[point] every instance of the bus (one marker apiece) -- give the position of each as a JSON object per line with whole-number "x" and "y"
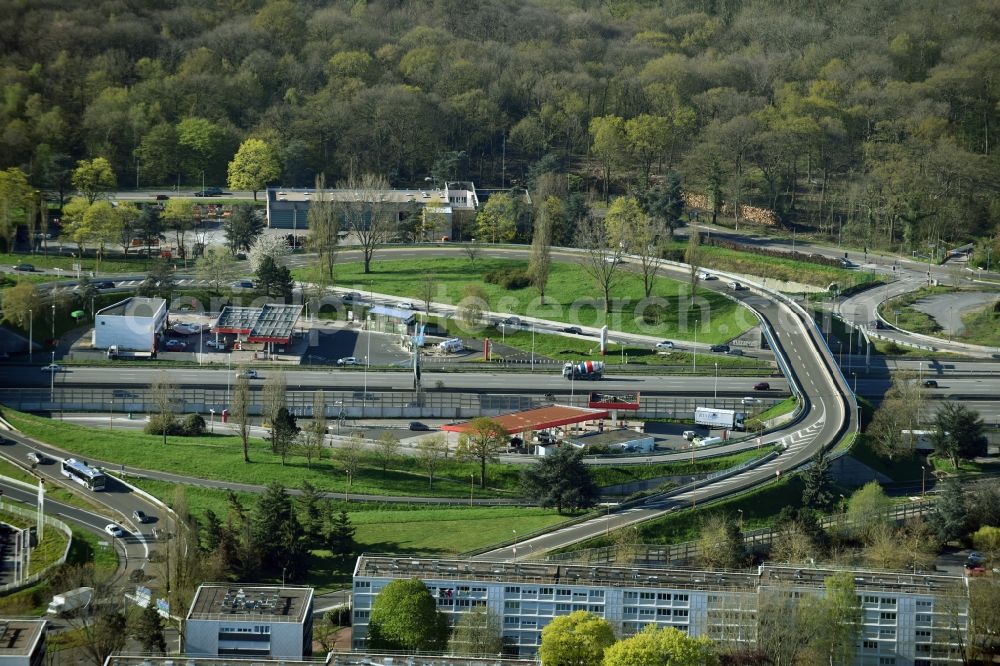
{"x": 83, "y": 474}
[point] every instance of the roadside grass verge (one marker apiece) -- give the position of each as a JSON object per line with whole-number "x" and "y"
{"x": 87, "y": 264}
{"x": 48, "y": 550}
{"x": 909, "y": 318}
{"x": 563, "y": 348}
{"x": 570, "y": 296}
{"x": 982, "y": 326}
{"x": 900, "y": 469}
{"x": 219, "y": 457}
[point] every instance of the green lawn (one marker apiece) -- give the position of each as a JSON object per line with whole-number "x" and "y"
{"x": 909, "y": 318}
{"x": 982, "y": 326}
{"x": 570, "y": 296}
{"x": 220, "y": 457}
{"x": 49, "y": 549}
{"x": 87, "y": 264}
{"x": 899, "y": 469}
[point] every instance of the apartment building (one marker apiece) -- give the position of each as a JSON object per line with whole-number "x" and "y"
{"x": 909, "y": 619}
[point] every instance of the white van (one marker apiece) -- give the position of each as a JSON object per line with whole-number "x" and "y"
{"x": 451, "y": 346}
{"x": 708, "y": 441}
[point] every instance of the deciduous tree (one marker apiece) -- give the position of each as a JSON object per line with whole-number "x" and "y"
{"x": 217, "y": 267}
{"x": 577, "y": 639}
{"x": 369, "y": 215}
{"x": 483, "y": 441}
{"x": 241, "y": 410}
{"x": 387, "y": 448}
{"x": 602, "y": 256}
{"x": 655, "y": 646}
{"x": 496, "y": 221}
{"x": 254, "y": 166}
{"x": 324, "y": 228}
{"x": 94, "y": 178}
{"x": 405, "y": 617}
{"x": 958, "y": 433}
{"x": 431, "y": 452}
{"x": 540, "y": 260}
{"x": 284, "y": 432}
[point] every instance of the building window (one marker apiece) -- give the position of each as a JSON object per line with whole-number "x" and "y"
{"x": 361, "y": 615}
{"x": 362, "y": 584}
{"x": 890, "y": 616}
{"x": 870, "y": 645}
{"x": 510, "y": 621}
{"x": 680, "y": 613}
{"x": 663, "y": 596}
{"x": 512, "y": 589}
{"x": 680, "y": 597}
{"x": 923, "y": 617}
{"x": 545, "y": 590}
{"x": 871, "y": 600}
{"x": 511, "y": 605}
{"x": 649, "y": 596}
{"x": 631, "y": 595}
{"x": 598, "y": 594}
{"x": 887, "y": 661}
{"x": 887, "y": 601}
{"x": 922, "y": 634}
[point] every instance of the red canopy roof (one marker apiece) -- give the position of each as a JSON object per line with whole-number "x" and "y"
{"x": 538, "y": 419}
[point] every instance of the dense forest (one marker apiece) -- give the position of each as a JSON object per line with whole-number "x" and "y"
{"x": 868, "y": 118}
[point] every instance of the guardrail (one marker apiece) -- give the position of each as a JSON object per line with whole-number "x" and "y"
{"x": 31, "y": 517}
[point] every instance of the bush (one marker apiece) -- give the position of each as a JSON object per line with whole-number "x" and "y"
{"x": 157, "y": 424}
{"x": 508, "y": 278}
{"x": 194, "y": 425}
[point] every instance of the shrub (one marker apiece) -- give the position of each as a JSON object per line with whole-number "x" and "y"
{"x": 157, "y": 424}
{"x": 508, "y": 278}
{"x": 194, "y": 425}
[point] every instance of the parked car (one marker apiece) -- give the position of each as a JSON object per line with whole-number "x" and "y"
{"x": 348, "y": 360}
{"x": 511, "y": 321}
{"x": 689, "y": 435}
{"x": 174, "y": 343}
{"x": 114, "y": 530}
{"x": 761, "y": 386}
{"x": 417, "y": 426}
{"x": 666, "y": 344}
{"x": 575, "y": 330}
{"x": 720, "y": 349}
{"x": 243, "y": 284}
{"x": 107, "y": 284}
{"x": 930, "y": 383}
{"x": 249, "y": 373}
{"x": 25, "y": 268}
{"x": 749, "y": 400}
{"x": 52, "y": 367}
{"x": 214, "y": 344}
{"x": 139, "y": 516}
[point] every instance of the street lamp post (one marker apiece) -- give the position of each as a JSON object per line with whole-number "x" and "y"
{"x": 111, "y": 415}
{"x": 212, "y": 426}
{"x": 514, "y": 551}
{"x": 923, "y": 480}
{"x": 716, "y": 397}
{"x": 53, "y": 323}
{"x": 694, "y": 350}
{"x": 52, "y": 379}
{"x": 31, "y": 335}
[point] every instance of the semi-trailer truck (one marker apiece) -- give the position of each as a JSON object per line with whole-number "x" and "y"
{"x": 719, "y": 418}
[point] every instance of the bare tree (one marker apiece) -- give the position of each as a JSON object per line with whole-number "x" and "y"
{"x": 241, "y": 411}
{"x": 432, "y": 451}
{"x": 314, "y": 435}
{"x": 162, "y": 390}
{"x": 387, "y": 447}
{"x": 101, "y": 627}
{"x": 349, "y": 455}
{"x": 324, "y": 228}
{"x": 368, "y": 213}
{"x": 602, "y": 259}
{"x": 540, "y": 260}
{"x": 275, "y": 395}
{"x": 472, "y": 251}
{"x": 692, "y": 256}
{"x": 427, "y": 288}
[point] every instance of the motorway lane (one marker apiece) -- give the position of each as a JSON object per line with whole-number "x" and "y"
{"x": 354, "y": 379}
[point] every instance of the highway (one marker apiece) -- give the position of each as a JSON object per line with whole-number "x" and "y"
{"x": 542, "y": 381}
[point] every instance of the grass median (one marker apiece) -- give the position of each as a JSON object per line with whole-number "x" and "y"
{"x": 570, "y": 296}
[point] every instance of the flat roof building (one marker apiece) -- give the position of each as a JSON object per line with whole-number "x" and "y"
{"x": 22, "y": 642}
{"x": 250, "y": 621}
{"x": 270, "y": 323}
{"x": 133, "y": 324}
{"x": 908, "y": 619}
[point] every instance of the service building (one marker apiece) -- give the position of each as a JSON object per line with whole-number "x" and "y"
{"x": 246, "y": 621}
{"x": 130, "y": 325}
{"x": 22, "y": 642}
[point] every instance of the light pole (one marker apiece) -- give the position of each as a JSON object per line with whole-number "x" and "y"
{"x": 53, "y": 324}
{"x": 855, "y": 382}
{"x": 923, "y": 480}
{"x": 31, "y": 335}
{"x": 741, "y": 518}
{"x": 111, "y": 415}
{"x": 229, "y": 374}
{"x": 472, "y": 485}
{"x": 515, "y": 546}
{"x": 52, "y": 378}
{"x": 212, "y": 426}
{"x": 716, "y": 381}
{"x": 532, "y": 347}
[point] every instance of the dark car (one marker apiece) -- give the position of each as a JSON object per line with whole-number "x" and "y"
{"x": 575, "y": 330}
{"x": 761, "y": 386}
{"x": 162, "y": 197}
{"x": 930, "y": 383}
{"x": 418, "y": 426}
{"x": 104, "y": 285}
{"x": 724, "y": 349}
{"x": 209, "y": 192}
{"x": 26, "y": 268}
{"x": 139, "y": 516}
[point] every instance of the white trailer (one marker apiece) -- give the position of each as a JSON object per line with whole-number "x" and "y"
{"x": 719, "y": 418}
{"x": 67, "y": 602}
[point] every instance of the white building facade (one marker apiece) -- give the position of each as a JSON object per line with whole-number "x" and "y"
{"x": 909, "y": 620}
{"x": 130, "y": 325}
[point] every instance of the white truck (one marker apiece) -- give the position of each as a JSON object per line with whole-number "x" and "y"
{"x": 583, "y": 370}
{"x": 451, "y": 345}
{"x": 67, "y": 602}
{"x": 719, "y": 418}
{"x": 114, "y": 351}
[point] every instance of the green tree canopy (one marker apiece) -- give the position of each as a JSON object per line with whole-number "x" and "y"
{"x": 577, "y": 639}
{"x": 483, "y": 441}
{"x": 405, "y": 617}
{"x": 656, "y": 646}
{"x": 254, "y": 166}
{"x": 94, "y": 178}
{"x": 958, "y": 433}
{"x": 560, "y": 480}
